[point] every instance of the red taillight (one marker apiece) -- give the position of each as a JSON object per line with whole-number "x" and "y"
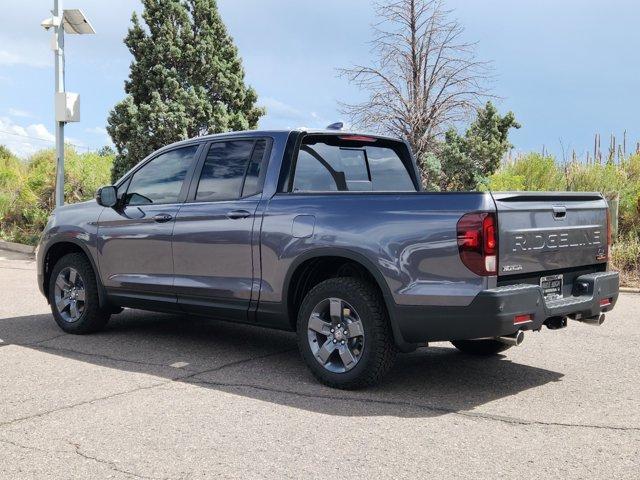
{"x": 520, "y": 319}
{"x": 605, "y": 302}
{"x": 478, "y": 242}
{"x": 489, "y": 233}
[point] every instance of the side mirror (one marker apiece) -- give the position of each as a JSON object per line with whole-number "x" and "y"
{"x": 107, "y": 196}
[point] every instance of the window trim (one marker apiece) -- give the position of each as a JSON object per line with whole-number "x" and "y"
{"x": 185, "y": 183}
{"x": 264, "y": 162}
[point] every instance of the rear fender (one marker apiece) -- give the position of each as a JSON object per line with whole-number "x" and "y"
{"x": 370, "y": 268}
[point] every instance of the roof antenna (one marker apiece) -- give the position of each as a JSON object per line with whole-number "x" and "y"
{"x": 336, "y": 126}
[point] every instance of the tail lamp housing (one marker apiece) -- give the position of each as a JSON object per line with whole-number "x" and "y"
{"x": 478, "y": 242}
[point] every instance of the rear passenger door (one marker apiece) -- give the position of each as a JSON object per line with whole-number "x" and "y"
{"x": 212, "y": 238}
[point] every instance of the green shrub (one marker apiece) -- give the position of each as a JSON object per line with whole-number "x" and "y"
{"x": 625, "y": 254}
{"x": 27, "y": 189}
{"x": 625, "y": 257}
{"x": 531, "y": 172}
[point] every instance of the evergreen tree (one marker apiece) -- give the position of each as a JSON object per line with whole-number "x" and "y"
{"x": 186, "y": 79}
{"x": 469, "y": 160}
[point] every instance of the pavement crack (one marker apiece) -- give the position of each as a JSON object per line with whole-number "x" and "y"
{"x": 24, "y": 447}
{"x": 147, "y": 387}
{"x": 80, "y": 404}
{"x": 149, "y": 364}
{"x": 112, "y": 465}
{"x": 40, "y": 342}
{"x": 96, "y": 355}
{"x": 235, "y": 363}
{"x": 418, "y": 406}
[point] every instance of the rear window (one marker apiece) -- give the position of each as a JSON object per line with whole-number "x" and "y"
{"x": 345, "y": 163}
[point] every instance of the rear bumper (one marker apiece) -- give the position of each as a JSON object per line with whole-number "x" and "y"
{"x": 492, "y": 312}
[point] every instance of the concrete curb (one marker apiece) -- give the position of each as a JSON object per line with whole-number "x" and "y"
{"x": 629, "y": 290}
{"x": 17, "y": 247}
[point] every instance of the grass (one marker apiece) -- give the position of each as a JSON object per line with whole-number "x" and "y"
{"x": 27, "y": 189}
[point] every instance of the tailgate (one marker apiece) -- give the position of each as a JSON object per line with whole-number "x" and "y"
{"x": 543, "y": 231}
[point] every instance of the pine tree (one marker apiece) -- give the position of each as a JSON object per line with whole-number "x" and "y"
{"x": 469, "y": 160}
{"x": 186, "y": 79}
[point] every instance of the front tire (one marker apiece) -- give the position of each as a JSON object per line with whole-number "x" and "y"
{"x": 483, "y": 348}
{"x": 344, "y": 335}
{"x": 73, "y": 296}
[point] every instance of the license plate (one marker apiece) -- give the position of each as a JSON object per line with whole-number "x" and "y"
{"x": 551, "y": 286}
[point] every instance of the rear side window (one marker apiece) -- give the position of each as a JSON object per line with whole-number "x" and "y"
{"x": 231, "y": 170}
{"x": 251, "y": 182}
{"x": 161, "y": 179}
{"x": 331, "y": 163}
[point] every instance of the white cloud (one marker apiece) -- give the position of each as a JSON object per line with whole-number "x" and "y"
{"x": 38, "y": 130}
{"x": 24, "y": 141}
{"x": 16, "y": 112}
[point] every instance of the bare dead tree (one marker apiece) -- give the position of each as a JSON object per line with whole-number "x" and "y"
{"x": 425, "y": 78}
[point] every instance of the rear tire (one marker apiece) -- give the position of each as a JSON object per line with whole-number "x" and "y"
{"x": 344, "y": 335}
{"x": 483, "y": 348}
{"x": 73, "y": 296}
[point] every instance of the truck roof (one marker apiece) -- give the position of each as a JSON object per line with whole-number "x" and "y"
{"x": 272, "y": 132}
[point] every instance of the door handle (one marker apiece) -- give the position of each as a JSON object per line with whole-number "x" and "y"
{"x": 559, "y": 212}
{"x": 162, "y": 218}
{"x": 238, "y": 214}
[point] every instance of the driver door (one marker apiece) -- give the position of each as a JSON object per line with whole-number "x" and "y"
{"x": 134, "y": 239}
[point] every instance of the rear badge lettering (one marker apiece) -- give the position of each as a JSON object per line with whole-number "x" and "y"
{"x": 511, "y": 268}
{"x": 525, "y": 242}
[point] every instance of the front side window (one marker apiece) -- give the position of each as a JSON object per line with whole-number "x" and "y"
{"x": 231, "y": 170}
{"x": 160, "y": 180}
{"x": 346, "y": 163}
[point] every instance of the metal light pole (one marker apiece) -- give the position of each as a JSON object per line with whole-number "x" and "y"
{"x": 59, "y": 74}
{"x": 67, "y": 105}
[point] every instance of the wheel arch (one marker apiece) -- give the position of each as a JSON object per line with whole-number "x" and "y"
{"x": 58, "y": 249}
{"x": 314, "y": 261}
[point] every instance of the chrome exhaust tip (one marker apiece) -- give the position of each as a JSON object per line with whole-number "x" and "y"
{"x": 596, "y": 320}
{"x": 514, "y": 340}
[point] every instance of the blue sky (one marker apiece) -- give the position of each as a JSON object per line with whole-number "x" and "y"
{"x": 566, "y": 68}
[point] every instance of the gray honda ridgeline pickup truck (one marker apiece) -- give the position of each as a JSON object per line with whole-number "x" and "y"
{"x": 328, "y": 234}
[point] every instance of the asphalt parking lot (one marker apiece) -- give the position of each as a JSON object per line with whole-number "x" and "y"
{"x": 159, "y": 396}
